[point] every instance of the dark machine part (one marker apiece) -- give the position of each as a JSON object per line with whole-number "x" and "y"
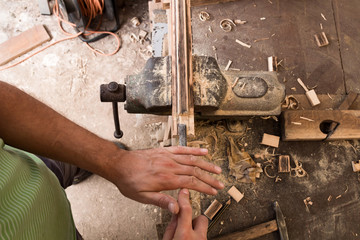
{"x": 108, "y": 21}
{"x": 114, "y": 92}
{"x": 216, "y": 93}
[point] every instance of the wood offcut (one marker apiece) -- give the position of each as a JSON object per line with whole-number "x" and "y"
{"x": 270, "y": 140}
{"x": 235, "y": 194}
{"x": 23, "y": 43}
{"x": 213, "y": 209}
{"x": 321, "y": 39}
{"x": 284, "y": 164}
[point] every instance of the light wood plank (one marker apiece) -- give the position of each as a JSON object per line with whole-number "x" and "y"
{"x": 22, "y": 43}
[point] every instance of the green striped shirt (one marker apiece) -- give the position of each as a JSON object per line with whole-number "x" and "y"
{"x": 33, "y": 205}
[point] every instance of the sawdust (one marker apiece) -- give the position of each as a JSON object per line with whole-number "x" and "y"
{"x": 241, "y": 165}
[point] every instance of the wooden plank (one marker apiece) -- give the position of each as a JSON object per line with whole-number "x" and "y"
{"x": 23, "y": 43}
{"x": 348, "y": 128}
{"x": 253, "y": 232}
{"x": 181, "y": 55}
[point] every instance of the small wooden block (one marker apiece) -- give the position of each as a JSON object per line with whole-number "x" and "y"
{"x": 22, "y": 43}
{"x": 321, "y": 39}
{"x": 356, "y": 166}
{"x": 312, "y": 97}
{"x": 284, "y": 164}
{"x": 270, "y": 140}
{"x": 211, "y": 211}
{"x": 235, "y": 194}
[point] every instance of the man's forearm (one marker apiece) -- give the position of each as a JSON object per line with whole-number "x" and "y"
{"x": 30, "y": 125}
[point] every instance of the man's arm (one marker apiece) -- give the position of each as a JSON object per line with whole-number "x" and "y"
{"x": 30, "y": 125}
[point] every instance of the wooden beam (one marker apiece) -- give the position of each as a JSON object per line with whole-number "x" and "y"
{"x": 307, "y": 125}
{"x": 253, "y": 232}
{"x": 22, "y": 43}
{"x": 181, "y": 55}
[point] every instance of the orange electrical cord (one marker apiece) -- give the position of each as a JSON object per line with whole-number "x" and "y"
{"x": 89, "y": 8}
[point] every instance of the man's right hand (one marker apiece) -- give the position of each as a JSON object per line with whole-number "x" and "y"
{"x": 141, "y": 175}
{"x": 182, "y": 226}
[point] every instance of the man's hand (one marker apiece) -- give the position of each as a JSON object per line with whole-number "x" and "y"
{"x": 141, "y": 175}
{"x": 182, "y": 226}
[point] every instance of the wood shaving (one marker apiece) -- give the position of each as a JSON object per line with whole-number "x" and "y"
{"x": 307, "y": 119}
{"x": 227, "y": 24}
{"x": 261, "y": 39}
{"x": 238, "y": 21}
{"x": 235, "y": 82}
{"x": 293, "y": 88}
{"x": 210, "y": 29}
{"x": 339, "y": 196}
{"x": 278, "y": 179}
{"x": 243, "y": 44}
{"x": 228, "y": 65}
{"x": 329, "y": 198}
{"x": 296, "y": 123}
{"x": 330, "y": 96}
{"x": 323, "y": 16}
{"x": 204, "y": 16}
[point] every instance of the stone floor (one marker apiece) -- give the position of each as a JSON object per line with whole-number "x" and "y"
{"x": 67, "y": 77}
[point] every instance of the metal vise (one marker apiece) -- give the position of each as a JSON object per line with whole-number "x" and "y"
{"x": 216, "y": 93}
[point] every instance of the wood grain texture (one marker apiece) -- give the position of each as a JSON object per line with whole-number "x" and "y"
{"x": 349, "y": 127}
{"x": 253, "y": 232}
{"x": 22, "y": 43}
{"x": 181, "y": 55}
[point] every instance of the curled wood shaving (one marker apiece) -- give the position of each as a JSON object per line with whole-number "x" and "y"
{"x": 290, "y": 102}
{"x": 204, "y": 16}
{"x": 266, "y": 173}
{"x": 227, "y": 24}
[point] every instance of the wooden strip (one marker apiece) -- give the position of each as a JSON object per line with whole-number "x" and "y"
{"x": 181, "y": 55}
{"x": 349, "y": 124}
{"x": 253, "y": 232}
{"x": 22, "y": 43}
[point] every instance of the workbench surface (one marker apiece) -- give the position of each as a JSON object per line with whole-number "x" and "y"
{"x": 287, "y": 31}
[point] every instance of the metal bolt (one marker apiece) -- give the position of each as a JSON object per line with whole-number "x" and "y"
{"x": 113, "y": 86}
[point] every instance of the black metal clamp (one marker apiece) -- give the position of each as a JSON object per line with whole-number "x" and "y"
{"x": 114, "y": 93}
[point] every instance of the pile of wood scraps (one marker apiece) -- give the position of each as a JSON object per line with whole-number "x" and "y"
{"x": 241, "y": 165}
